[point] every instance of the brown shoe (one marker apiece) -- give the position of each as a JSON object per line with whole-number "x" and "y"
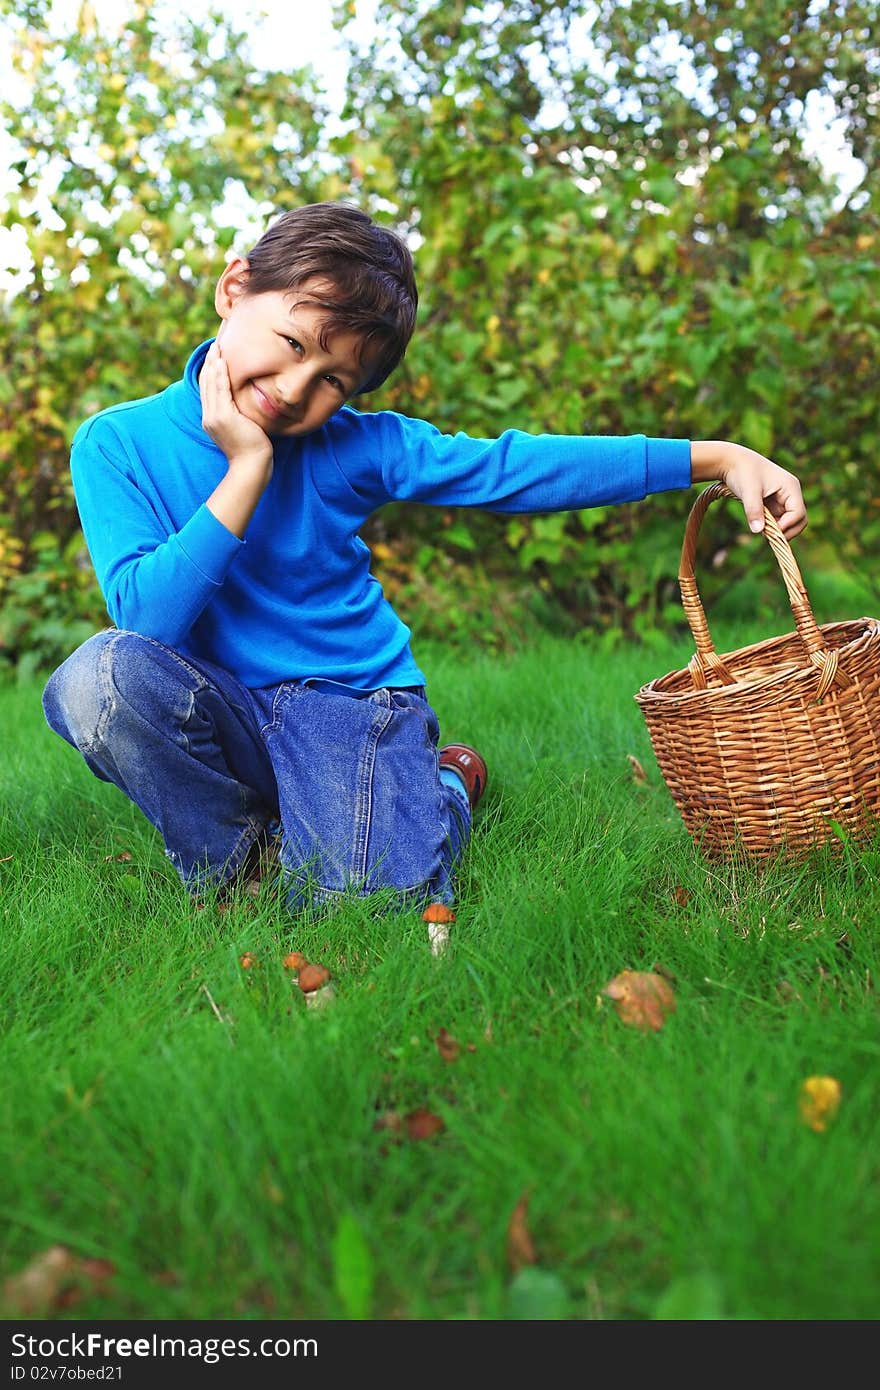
{"x": 470, "y": 767}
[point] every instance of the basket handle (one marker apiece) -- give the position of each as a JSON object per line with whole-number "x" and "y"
{"x": 706, "y": 661}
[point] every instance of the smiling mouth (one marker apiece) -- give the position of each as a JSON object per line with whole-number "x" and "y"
{"x": 268, "y": 407}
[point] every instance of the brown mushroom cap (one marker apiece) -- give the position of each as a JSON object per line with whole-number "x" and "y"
{"x": 295, "y": 960}
{"x": 312, "y": 977}
{"x": 438, "y": 912}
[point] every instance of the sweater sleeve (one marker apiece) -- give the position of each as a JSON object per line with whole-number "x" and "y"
{"x": 518, "y": 472}
{"x": 155, "y": 579}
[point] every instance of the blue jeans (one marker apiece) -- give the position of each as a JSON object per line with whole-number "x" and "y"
{"x": 353, "y": 779}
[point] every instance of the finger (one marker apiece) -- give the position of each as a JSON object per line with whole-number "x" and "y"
{"x": 206, "y": 369}
{"x": 788, "y": 508}
{"x": 222, "y": 383}
{"x": 791, "y": 525}
{"x": 217, "y": 372}
{"x": 753, "y": 505}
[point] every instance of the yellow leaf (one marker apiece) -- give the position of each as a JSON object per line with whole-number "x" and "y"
{"x": 645, "y": 257}
{"x": 819, "y": 1101}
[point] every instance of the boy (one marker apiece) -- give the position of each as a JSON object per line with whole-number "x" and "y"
{"x": 257, "y": 682}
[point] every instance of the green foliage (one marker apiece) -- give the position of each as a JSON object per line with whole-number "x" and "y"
{"x": 603, "y": 254}
{"x": 618, "y": 226}
{"x": 50, "y": 607}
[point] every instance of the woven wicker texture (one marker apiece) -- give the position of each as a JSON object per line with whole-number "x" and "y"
{"x": 763, "y": 747}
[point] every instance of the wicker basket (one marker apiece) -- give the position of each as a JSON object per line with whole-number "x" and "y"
{"x": 764, "y": 747}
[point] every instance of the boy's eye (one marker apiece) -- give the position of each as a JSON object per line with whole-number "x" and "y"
{"x": 335, "y": 383}
{"x": 297, "y": 346}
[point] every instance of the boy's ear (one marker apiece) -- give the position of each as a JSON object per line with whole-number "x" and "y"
{"x": 231, "y": 286}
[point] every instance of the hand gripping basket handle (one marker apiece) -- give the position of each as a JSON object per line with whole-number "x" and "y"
{"x": 706, "y": 660}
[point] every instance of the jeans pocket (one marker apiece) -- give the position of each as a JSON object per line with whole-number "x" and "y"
{"x": 410, "y": 702}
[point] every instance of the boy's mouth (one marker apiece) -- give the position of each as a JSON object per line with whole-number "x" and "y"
{"x": 269, "y": 408}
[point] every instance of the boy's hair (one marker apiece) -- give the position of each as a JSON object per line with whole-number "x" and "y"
{"x": 369, "y": 268}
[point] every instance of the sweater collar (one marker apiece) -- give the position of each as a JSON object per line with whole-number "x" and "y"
{"x": 182, "y": 400}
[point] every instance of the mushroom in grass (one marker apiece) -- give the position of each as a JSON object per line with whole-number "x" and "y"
{"x": 439, "y": 918}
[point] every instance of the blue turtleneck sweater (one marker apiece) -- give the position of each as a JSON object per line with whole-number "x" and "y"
{"x": 295, "y": 600}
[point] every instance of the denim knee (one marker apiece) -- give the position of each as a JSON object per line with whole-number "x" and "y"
{"x": 114, "y": 678}
{"x": 74, "y": 701}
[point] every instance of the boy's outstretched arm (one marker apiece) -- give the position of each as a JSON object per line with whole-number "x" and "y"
{"x": 755, "y": 480}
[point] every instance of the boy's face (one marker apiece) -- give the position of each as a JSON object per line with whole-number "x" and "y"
{"x": 281, "y": 377}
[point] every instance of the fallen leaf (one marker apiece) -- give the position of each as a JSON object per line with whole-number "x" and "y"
{"x": 247, "y": 961}
{"x": 681, "y": 895}
{"x": 447, "y": 1046}
{"x": 294, "y": 960}
{"x": 819, "y": 1101}
{"x": 638, "y": 772}
{"x": 641, "y": 998}
{"x": 312, "y": 977}
{"x": 36, "y": 1288}
{"x": 520, "y": 1246}
{"x": 53, "y": 1279}
{"x": 421, "y": 1124}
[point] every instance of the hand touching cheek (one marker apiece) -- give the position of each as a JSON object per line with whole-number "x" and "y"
{"x": 241, "y": 439}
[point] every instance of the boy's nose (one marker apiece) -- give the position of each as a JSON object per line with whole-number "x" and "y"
{"x": 292, "y": 388}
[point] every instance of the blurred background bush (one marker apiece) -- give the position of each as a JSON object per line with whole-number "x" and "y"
{"x": 623, "y": 222}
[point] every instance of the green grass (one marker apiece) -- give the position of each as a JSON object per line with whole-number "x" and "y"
{"x": 197, "y": 1126}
